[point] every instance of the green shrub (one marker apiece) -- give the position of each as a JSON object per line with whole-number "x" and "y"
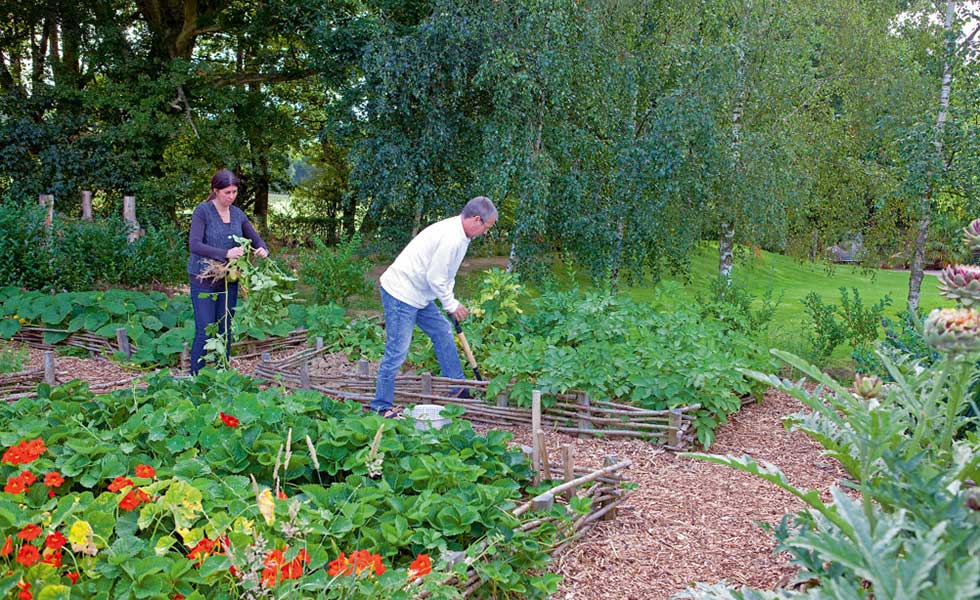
{"x": 12, "y": 358}
{"x": 731, "y": 304}
{"x": 335, "y": 274}
{"x": 827, "y": 325}
{"x": 75, "y": 255}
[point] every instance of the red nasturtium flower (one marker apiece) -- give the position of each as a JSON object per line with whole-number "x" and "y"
{"x": 119, "y": 483}
{"x": 24, "y": 452}
{"x": 53, "y": 479}
{"x": 29, "y": 532}
{"x": 146, "y": 471}
{"x": 53, "y": 558}
{"x": 28, "y": 478}
{"x": 28, "y": 555}
{"x": 203, "y": 548}
{"x": 15, "y": 485}
{"x": 55, "y": 541}
{"x": 25, "y": 591}
{"x": 72, "y": 576}
{"x": 228, "y": 420}
{"x": 133, "y": 499}
{"x": 178, "y": 597}
{"x": 421, "y": 566}
{"x": 8, "y": 546}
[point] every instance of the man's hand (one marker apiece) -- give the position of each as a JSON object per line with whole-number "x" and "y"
{"x": 261, "y": 252}
{"x": 234, "y": 252}
{"x": 461, "y": 313}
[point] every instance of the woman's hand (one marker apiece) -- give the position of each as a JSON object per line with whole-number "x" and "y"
{"x": 261, "y": 252}
{"x": 234, "y": 252}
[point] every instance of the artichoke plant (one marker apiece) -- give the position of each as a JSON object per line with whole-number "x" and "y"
{"x": 867, "y": 386}
{"x": 971, "y": 235}
{"x": 961, "y": 283}
{"x": 954, "y": 331}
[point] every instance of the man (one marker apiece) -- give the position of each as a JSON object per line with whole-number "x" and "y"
{"x": 423, "y": 272}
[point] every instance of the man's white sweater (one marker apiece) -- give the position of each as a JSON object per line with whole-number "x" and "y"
{"x": 426, "y": 269}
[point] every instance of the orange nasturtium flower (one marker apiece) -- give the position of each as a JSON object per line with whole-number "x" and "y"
{"x": 201, "y": 550}
{"x": 146, "y": 471}
{"x": 278, "y": 569}
{"x": 421, "y": 566}
{"x": 358, "y": 562}
{"x": 8, "y": 546}
{"x": 28, "y": 478}
{"x": 28, "y": 555}
{"x": 29, "y": 532}
{"x": 53, "y": 558}
{"x": 228, "y": 420}
{"x": 53, "y": 479}
{"x": 25, "y": 591}
{"x": 119, "y": 483}
{"x": 72, "y": 576}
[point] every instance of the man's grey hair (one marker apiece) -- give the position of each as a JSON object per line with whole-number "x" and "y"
{"x": 482, "y": 207}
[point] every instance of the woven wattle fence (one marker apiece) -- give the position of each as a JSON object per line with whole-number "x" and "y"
{"x": 23, "y": 384}
{"x": 250, "y": 348}
{"x": 572, "y": 412}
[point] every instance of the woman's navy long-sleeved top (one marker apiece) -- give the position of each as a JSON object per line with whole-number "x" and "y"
{"x": 211, "y": 238}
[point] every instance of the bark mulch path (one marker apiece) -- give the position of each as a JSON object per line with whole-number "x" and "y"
{"x": 687, "y": 521}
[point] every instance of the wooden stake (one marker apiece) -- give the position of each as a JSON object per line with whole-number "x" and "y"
{"x": 363, "y": 368}
{"x": 568, "y": 465}
{"x": 545, "y": 461}
{"x": 319, "y": 343}
{"x": 608, "y": 461}
{"x": 185, "y": 358}
{"x": 129, "y": 215}
{"x": 426, "y": 383}
{"x": 122, "y": 341}
{"x": 674, "y": 428}
{"x": 49, "y": 368}
{"x": 536, "y": 443}
{"x": 86, "y": 205}
{"x": 585, "y": 409}
{"x": 304, "y": 375}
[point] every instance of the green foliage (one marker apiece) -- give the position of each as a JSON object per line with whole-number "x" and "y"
{"x": 913, "y": 532}
{"x": 11, "y": 358}
{"x": 408, "y": 492}
{"x": 828, "y": 326}
{"x": 336, "y": 273}
{"x": 732, "y": 304}
{"x": 76, "y": 255}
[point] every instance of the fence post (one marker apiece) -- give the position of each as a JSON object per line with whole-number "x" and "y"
{"x": 674, "y": 427}
{"x": 86, "y": 205}
{"x": 568, "y": 465}
{"x": 185, "y": 358}
{"x": 319, "y": 343}
{"x": 427, "y": 383}
{"x": 363, "y": 368}
{"x": 129, "y": 215}
{"x": 49, "y": 368}
{"x": 535, "y": 441}
{"x": 304, "y": 375}
{"x": 585, "y": 414}
{"x": 122, "y": 340}
{"x": 609, "y": 461}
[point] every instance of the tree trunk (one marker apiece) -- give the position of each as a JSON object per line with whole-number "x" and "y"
{"x": 925, "y": 207}
{"x": 726, "y": 243}
{"x": 726, "y": 237}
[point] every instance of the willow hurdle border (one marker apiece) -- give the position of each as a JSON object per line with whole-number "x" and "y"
{"x": 23, "y": 384}
{"x": 34, "y": 336}
{"x": 573, "y": 412}
{"x": 604, "y": 486}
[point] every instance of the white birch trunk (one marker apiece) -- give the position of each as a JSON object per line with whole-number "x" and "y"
{"x": 917, "y": 266}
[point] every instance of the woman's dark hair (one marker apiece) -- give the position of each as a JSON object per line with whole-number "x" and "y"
{"x": 222, "y": 179}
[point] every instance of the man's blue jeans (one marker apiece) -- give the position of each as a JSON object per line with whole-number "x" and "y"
{"x": 400, "y": 322}
{"x": 207, "y": 310}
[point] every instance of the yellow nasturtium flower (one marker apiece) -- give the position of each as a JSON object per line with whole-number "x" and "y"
{"x": 267, "y": 506}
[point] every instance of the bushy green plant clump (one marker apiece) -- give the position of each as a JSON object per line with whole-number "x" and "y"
{"x": 213, "y": 488}
{"x": 903, "y": 338}
{"x": 76, "y": 255}
{"x": 337, "y": 273}
{"x": 828, "y": 325}
{"x": 610, "y": 347}
{"x": 731, "y": 303}
{"x": 11, "y": 359}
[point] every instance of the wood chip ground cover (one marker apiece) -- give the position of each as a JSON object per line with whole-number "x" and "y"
{"x": 688, "y": 521}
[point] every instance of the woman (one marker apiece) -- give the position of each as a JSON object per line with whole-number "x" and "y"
{"x": 213, "y": 224}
